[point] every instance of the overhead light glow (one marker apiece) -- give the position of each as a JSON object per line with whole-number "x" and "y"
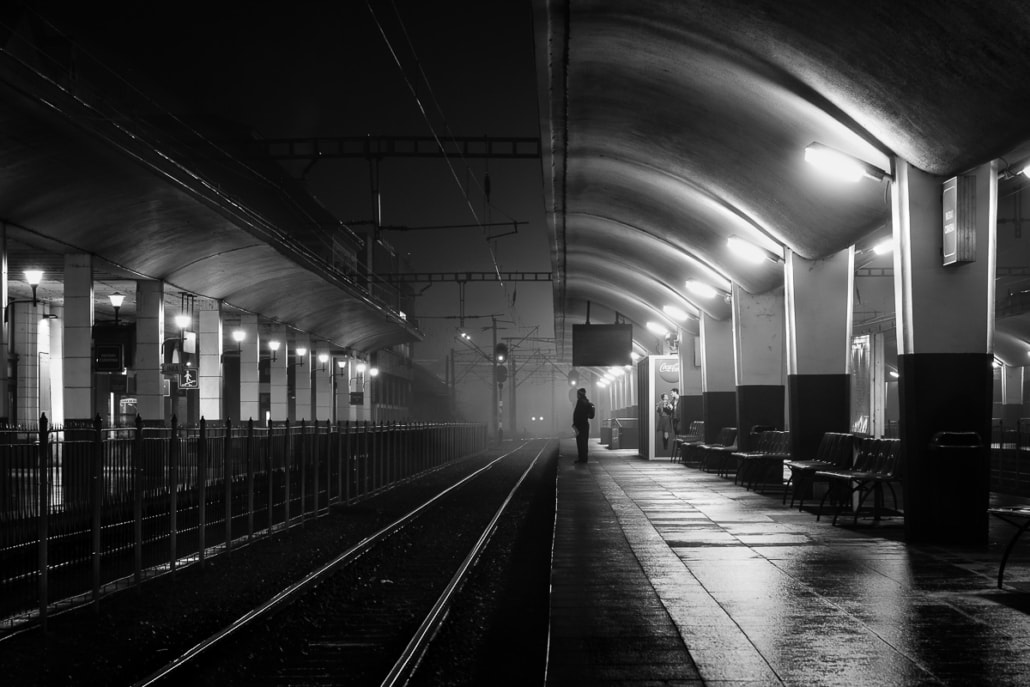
{"x": 700, "y": 289}
{"x": 657, "y": 328}
{"x": 834, "y": 163}
{"x": 884, "y": 247}
{"x": 746, "y": 251}
{"x": 617, "y": 371}
{"x": 675, "y": 313}
{"x": 894, "y": 373}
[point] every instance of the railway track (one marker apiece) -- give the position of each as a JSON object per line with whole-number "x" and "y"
{"x": 366, "y": 617}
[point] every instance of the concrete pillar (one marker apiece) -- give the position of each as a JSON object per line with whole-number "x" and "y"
{"x": 5, "y": 331}
{"x": 209, "y": 359}
{"x": 303, "y": 405}
{"x": 1011, "y": 396}
{"x": 250, "y": 355}
{"x": 24, "y": 343}
{"x": 758, "y": 344}
{"x": 719, "y": 391}
{"x": 150, "y": 326}
{"x": 322, "y": 382}
{"x": 945, "y": 316}
{"x": 278, "y": 375}
{"x": 77, "y": 322}
{"x": 819, "y": 296}
{"x": 690, "y": 406}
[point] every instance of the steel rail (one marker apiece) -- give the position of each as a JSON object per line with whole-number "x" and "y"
{"x": 406, "y": 665}
{"x": 310, "y": 580}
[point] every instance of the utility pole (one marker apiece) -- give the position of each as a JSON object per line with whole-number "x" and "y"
{"x": 493, "y": 383}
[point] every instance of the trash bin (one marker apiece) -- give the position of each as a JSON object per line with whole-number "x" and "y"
{"x": 948, "y": 502}
{"x": 606, "y": 432}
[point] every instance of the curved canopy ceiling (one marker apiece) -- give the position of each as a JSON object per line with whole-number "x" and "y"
{"x": 670, "y": 126}
{"x": 152, "y": 197}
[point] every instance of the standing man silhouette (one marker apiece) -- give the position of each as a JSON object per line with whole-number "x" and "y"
{"x": 581, "y": 415}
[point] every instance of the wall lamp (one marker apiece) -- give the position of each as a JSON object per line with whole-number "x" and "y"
{"x": 116, "y": 302}
{"x": 34, "y": 277}
{"x": 302, "y": 353}
{"x": 238, "y": 335}
{"x": 273, "y": 345}
{"x": 323, "y": 358}
{"x": 840, "y": 165}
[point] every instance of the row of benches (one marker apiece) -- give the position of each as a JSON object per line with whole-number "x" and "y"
{"x": 852, "y": 467}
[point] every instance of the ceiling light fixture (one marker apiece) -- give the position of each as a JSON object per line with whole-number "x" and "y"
{"x": 675, "y": 313}
{"x": 749, "y": 252}
{"x": 840, "y": 165}
{"x": 700, "y": 289}
{"x": 884, "y": 247}
{"x": 657, "y": 328}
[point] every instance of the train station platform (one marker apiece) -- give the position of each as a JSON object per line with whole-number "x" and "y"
{"x": 667, "y": 575}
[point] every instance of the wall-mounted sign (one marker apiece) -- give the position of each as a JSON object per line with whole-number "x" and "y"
{"x": 188, "y": 379}
{"x": 357, "y": 398}
{"x": 958, "y": 202}
{"x": 110, "y": 358}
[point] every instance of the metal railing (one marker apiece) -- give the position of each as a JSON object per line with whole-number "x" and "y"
{"x": 83, "y": 507}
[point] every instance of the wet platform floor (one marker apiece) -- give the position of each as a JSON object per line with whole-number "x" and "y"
{"x": 666, "y": 575}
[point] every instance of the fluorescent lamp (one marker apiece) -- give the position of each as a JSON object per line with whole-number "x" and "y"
{"x": 835, "y": 163}
{"x": 841, "y": 165}
{"x": 884, "y": 247}
{"x": 700, "y": 289}
{"x": 675, "y": 313}
{"x": 657, "y": 328}
{"x": 747, "y": 251}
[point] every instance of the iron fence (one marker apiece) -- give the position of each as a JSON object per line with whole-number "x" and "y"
{"x": 83, "y": 507}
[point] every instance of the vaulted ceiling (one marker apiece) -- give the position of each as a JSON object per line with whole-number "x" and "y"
{"x": 670, "y": 126}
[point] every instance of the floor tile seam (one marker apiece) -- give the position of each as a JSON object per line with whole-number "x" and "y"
{"x": 626, "y": 546}
{"x": 634, "y": 519}
{"x": 826, "y": 601}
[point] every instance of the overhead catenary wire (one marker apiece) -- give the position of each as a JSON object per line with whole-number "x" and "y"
{"x": 436, "y": 136}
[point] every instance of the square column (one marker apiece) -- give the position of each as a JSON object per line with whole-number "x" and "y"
{"x": 209, "y": 359}
{"x": 719, "y": 390}
{"x": 78, "y": 337}
{"x": 945, "y": 316}
{"x": 250, "y": 355}
{"x": 303, "y": 404}
{"x": 758, "y": 344}
{"x": 150, "y": 329}
{"x": 25, "y": 326}
{"x": 278, "y": 376}
{"x": 819, "y": 298}
{"x": 322, "y": 382}
{"x": 690, "y": 405}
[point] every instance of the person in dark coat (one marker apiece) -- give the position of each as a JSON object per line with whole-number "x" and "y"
{"x": 581, "y": 416}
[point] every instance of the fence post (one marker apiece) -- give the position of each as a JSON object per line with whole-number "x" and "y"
{"x": 287, "y": 451}
{"x": 250, "y": 478}
{"x": 310, "y": 455}
{"x": 270, "y": 469}
{"x": 137, "y": 501}
{"x": 201, "y": 490}
{"x": 303, "y": 468}
{"x": 43, "y": 533}
{"x": 173, "y": 492}
{"x": 227, "y": 482}
{"x": 98, "y": 507}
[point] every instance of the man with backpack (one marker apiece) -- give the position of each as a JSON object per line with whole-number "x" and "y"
{"x": 581, "y": 416}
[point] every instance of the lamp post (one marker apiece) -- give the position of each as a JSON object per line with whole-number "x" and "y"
{"x": 34, "y": 277}
{"x": 116, "y": 301}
